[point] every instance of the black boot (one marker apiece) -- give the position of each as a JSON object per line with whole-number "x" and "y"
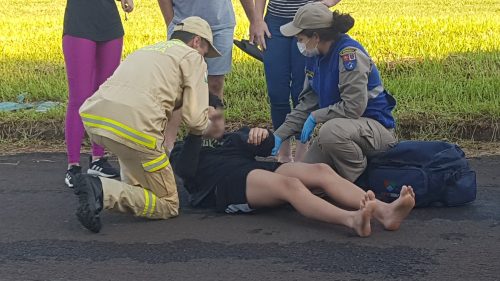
{"x": 90, "y": 202}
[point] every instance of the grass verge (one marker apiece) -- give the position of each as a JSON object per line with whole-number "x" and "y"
{"x": 440, "y": 59}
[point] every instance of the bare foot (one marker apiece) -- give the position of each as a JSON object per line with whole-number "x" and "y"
{"x": 361, "y": 221}
{"x": 398, "y": 210}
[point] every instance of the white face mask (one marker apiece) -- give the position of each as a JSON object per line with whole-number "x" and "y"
{"x": 304, "y": 51}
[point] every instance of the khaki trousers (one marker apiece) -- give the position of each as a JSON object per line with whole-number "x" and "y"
{"x": 147, "y": 188}
{"x": 345, "y": 144}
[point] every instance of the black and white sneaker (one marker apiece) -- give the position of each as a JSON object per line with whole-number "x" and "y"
{"x": 71, "y": 173}
{"x": 90, "y": 201}
{"x": 102, "y": 168}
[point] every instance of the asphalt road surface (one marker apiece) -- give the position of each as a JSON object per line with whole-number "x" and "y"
{"x": 40, "y": 238}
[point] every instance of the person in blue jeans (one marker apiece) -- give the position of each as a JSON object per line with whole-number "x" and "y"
{"x": 283, "y": 63}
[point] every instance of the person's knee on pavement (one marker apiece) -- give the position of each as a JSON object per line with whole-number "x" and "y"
{"x": 171, "y": 209}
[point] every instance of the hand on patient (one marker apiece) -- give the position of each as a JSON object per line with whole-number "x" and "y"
{"x": 257, "y": 135}
{"x": 308, "y": 129}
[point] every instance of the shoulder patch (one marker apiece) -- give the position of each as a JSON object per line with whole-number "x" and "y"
{"x": 347, "y": 51}
{"x": 348, "y": 56}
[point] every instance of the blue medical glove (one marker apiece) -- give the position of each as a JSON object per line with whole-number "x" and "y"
{"x": 308, "y": 129}
{"x": 277, "y": 145}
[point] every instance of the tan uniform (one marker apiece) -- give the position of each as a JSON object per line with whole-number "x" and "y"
{"x": 345, "y": 138}
{"x": 128, "y": 115}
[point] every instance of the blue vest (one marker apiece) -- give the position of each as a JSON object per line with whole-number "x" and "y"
{"x": 323, "y": 75}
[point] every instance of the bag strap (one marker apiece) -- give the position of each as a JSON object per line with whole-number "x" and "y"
{"x": 395, "y": 163}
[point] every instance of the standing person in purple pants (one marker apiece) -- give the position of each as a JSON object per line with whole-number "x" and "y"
{"x": 92, "y": 46}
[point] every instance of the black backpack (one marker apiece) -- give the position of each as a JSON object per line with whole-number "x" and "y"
{"x": 438, "y": 172}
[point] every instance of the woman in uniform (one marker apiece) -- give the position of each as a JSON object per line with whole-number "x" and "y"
{"x": 343, "y": 90}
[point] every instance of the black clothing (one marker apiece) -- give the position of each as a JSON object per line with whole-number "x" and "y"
{"x": 96, "y": 20}
{"x": 215, "y": 173}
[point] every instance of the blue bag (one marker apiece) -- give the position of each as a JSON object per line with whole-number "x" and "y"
{"x": 438, "y": 172}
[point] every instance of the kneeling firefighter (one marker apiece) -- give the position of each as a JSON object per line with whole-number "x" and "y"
{"x": 128, "y": 116}
{"x": 343, "y": 90}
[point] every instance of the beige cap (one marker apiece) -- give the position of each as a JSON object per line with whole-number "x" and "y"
{"x": 200, "y": 27}
{"x": 310, "y": 16}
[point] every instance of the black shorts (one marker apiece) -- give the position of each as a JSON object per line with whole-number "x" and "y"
{"x": 230, "y": 192}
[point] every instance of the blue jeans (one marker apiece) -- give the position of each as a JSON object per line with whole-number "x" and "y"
{"x": 284, "y": 67}
{"x": 223, "y": 41}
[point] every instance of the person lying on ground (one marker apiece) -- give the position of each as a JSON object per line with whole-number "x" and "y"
{"x": 220, "y": 170}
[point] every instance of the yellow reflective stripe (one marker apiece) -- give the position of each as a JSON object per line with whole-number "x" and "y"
{"x": 148, "y": 145}
{"x": 154, "y": 161}
{"x": 153, "y": 205}
{"x": 146, "y": 204}
{"x": 119, "y": 129}
{"x": 156, "y": 164}
{"x": 165, "y": 164}
{"x": 149, "y": 203}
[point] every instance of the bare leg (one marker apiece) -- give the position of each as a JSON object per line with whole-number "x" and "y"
{"x": 300, "y": 151}
{"x": 343, "y": 191}
{"x": 267, "y": 189}
{"x": 216, "y": 85}
{"x": 285, "y": 152}
{"x": 323, "y": 177}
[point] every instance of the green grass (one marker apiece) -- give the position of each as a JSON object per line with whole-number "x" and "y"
{"x": 440, "y": 58}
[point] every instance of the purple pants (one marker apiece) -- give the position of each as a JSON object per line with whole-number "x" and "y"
{"x": 88, "y": 65}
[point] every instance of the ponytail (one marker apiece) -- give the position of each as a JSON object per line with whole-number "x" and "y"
{"x": 341, "y": 23}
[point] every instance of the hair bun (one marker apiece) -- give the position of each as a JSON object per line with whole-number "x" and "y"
{"x": 342, "y": 22}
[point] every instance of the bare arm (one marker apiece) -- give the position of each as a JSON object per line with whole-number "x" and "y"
{"x": 260, "y": 6}
{"x": 167, "y": 10}
{"x": 258, "y": 28}
{"x": 249, "y": 8}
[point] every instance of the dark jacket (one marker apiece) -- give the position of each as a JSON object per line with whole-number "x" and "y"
{"x": 203, "y": 163}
